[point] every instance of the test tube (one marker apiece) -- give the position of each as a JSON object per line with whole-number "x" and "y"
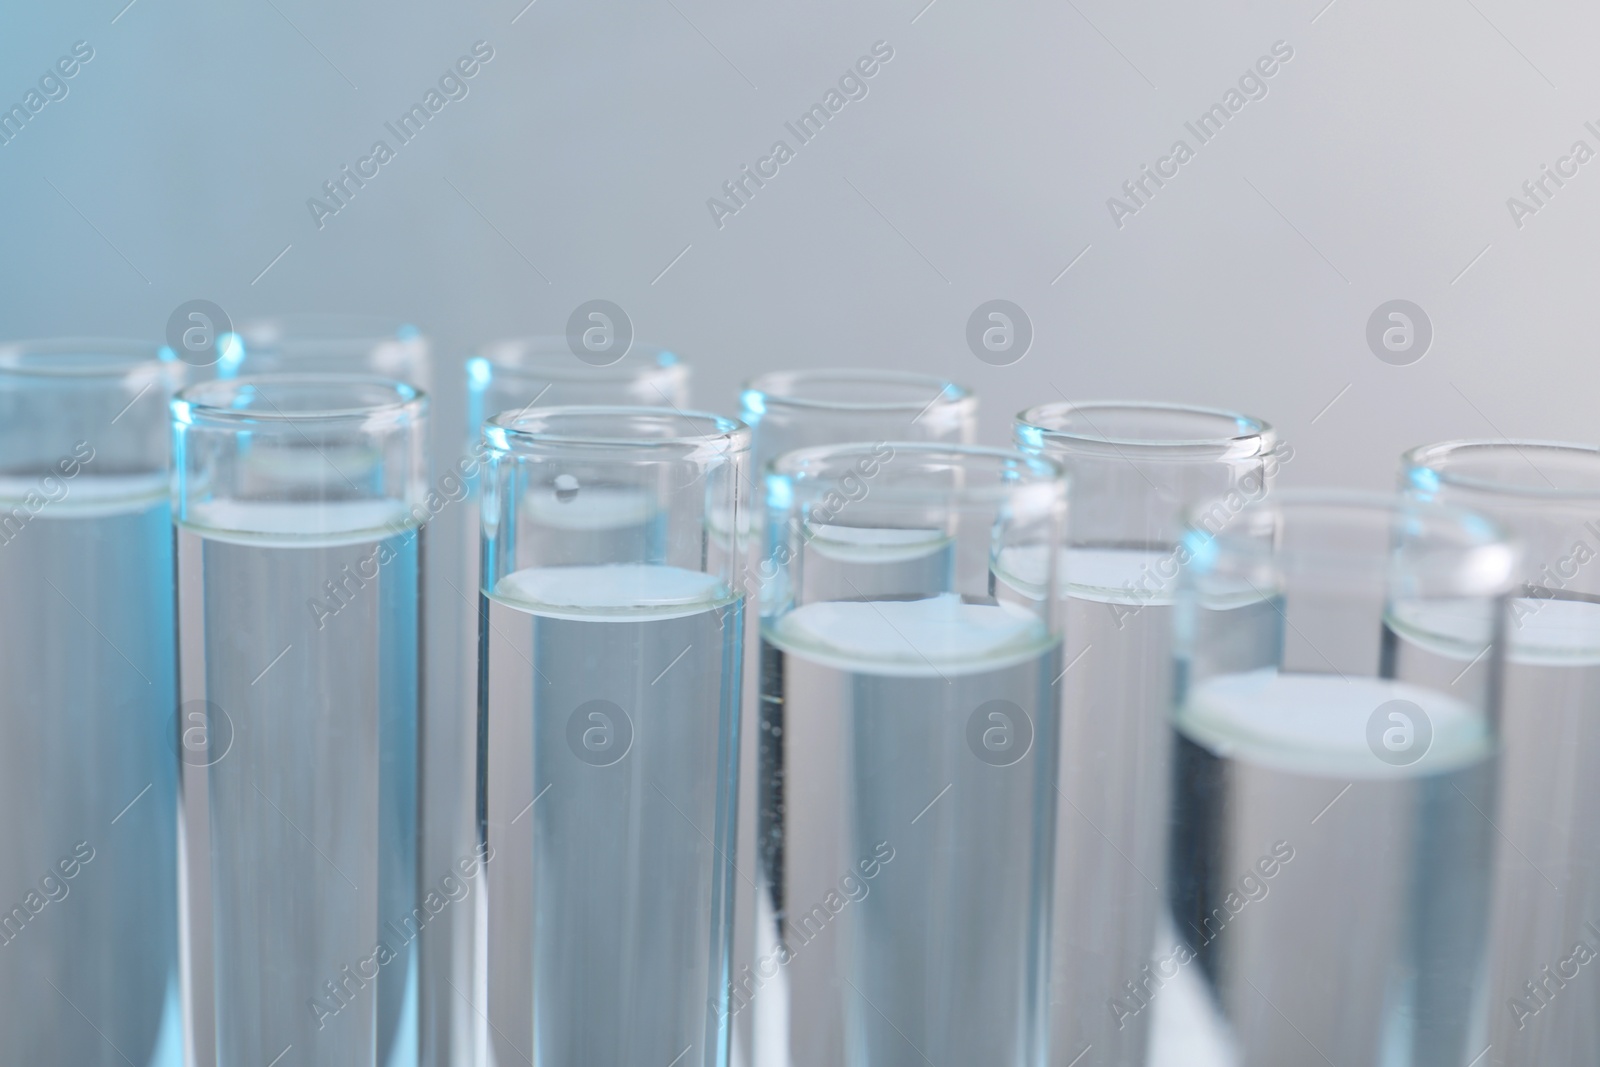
{"x": 1547, "y": 877}
{"x": 908, "y": 757}
{"x": 513, "y": 375}
{"x": 787, "y": 410}
{"x": 609, "y": 677}
{"x": 88, "y": 767}
{"x": 327, "y": 343}
{"x": 1132, "y": 469}
{"x": 299, "y": 585}
{"x": 344, "y": 343}
{"x": 395, "y": 349}
{"x": 1333, "y": 768}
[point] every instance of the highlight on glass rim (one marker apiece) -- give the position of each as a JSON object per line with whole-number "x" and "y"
{"x": 689, "y": 535}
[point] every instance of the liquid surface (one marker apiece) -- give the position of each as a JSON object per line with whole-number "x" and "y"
{"x": 868, "y": 544}
{"x": 323, "y": 523}
{"x": 1317, "y": 724}
{"x": 1540, "y": 632}
{"x": 89, "y": 494}
{"x": 917, "y": 637}
{"x": 1114, "y": 575}
{"x": 637, "y": 591}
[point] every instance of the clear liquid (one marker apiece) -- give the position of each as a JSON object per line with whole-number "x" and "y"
{"x": 302, "y": 783}
{"x": 596, "y": 522}
{"x": 88, "y": 767}
{"x": 1547, "y": 871}
{"x": 1115, "y": 772}
{"x": 609, "y": 740}
{"x": 837, "y": 561}
{"x": 1333, "y": 905}
{"x": 901, "y": 917}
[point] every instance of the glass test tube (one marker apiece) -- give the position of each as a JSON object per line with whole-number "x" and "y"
{"x": 786, "y": 410}
{"x": 343, "y": 343}
{"x": 88, "y": 765}
{"x": 1132, "y": 470}
{"x": 331, "y": 344}
{"x": 1330, "y": 856}
{"x": 399, "y": 351}
{"x": 1546, "y": 927}
{"x": 911, "y": 639}
{"x": 513, "y": 375}
{"x": 297, "y": 505}
{"x": 609, "y": 728}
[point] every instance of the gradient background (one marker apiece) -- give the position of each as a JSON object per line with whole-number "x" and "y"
{"x": 978, "y": 167}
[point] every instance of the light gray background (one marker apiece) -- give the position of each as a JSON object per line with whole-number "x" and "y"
{"x": 979, "y": 166}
